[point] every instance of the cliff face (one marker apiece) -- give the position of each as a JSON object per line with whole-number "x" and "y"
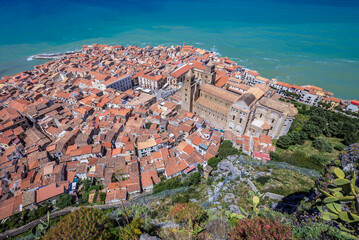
{"x": 350, "y": 158}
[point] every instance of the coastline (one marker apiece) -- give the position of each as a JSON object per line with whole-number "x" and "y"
{"x": 292, "y": 76}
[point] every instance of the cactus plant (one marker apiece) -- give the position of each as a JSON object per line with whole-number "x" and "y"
{"x": 254, "y": 211}
{"x": 40, "y": 230}
{"x": 341, "y": 202}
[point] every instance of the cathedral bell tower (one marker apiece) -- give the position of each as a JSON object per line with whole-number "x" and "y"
{"x": 209, "y": 75}
{"x": 189, "y": 91}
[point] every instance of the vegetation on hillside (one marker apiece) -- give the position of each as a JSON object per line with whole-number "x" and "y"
{"x": 225, "y": 149}
{"x": 86, "y": 223}
{"x": 316, "y": 138}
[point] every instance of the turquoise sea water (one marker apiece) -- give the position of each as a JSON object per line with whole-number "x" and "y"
{"x": 298, "y": 41}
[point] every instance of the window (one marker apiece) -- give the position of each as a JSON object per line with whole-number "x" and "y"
{"x": 233, "y": 117}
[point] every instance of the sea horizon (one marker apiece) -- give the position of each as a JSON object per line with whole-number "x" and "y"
{"x": 299, "y": 42}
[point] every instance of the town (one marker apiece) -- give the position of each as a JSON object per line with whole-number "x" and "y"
{"x": 128, "y": 117}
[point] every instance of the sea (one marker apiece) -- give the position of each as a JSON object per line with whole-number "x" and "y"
{"x": 301, "y": 42}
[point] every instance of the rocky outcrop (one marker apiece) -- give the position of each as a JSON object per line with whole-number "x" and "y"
{"x": 350, "y": 158}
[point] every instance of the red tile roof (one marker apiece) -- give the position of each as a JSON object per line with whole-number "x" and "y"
{"x": 181, "y": 71}
{"x": 48, "y": 192}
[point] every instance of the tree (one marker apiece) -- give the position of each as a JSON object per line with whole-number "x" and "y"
{"x": 333, "y": 129}
{"x": 322, "y": 145}
{"x": 213, "y": 162}
{"x": 103, "y": 196}
{"x": 284, "y": 141}
{"x": 226, "y": 149}
{"x": 64, "y": 200}
{"x": 86, "y": 184}
{"x": 275, "y": 156}
{"x": 316, "y": 111}
{"x": 85, "y": 223}
{"x": 192, "y": 179}
{"x": 350, "y": 138}
{"x": 312, "y": 131}
{"x": 318, "y": 121}
{"x": 348, "y": 128}
{"x": 200, "y": 168}
{"x": 319, "y": 160}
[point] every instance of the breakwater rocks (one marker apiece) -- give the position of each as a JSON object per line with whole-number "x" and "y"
{"x": 51, "y": 56}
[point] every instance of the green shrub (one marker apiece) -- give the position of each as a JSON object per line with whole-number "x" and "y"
{"x": 263, "y": 179}
{"x": 192, "y": 179}
{"x": 315, "y": 230}
{"x": 213, "y": 162}
{"x": 64, "y": 200}
{"x": 167, "y": 184}
{"x": 86, "y": 223}
{"x": 96, "y": 187}
{"x": 322, "y": 145}
{"x": 209, "y": 181}
{"x": 339, "y": 147}
{"x": 284, "y": 141}
{"x": 226, "y": 149}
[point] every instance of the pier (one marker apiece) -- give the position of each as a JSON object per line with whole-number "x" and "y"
{"x": 52, "y": 56}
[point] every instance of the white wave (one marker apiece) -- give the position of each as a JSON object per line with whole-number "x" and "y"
{"x": 215, "y": 51}
{"x": 30, "y": 58}
{"x": 322, "y": 62}
{"x": 346, "y": 60}
{"x": 243, "y": 61}
{"x": 271, "y": 59}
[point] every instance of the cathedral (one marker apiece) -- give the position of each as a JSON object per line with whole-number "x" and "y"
{"x": 253, "y": 112}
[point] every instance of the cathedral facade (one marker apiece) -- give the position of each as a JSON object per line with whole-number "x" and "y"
{"x": 252, "y": 113}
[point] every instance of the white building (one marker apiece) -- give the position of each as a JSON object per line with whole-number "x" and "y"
{"x": 353, "y": 106}
{"x": 147, "y": 147}
{"x": 122, "y": 83}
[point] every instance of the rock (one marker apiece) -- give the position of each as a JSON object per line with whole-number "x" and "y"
{"x": 146, "y": 236}
{"x": 228, "y": 197}
{"x": 273, "y": 196}
{"x": 167, "y": 225}
{"x": 213, "y": 209}
{"x": 350, "y": 157}
{"x": 193, "y": 200}
{"x": 234, "y": 209}
{"x": 254, "y": 189}
{"x": 232, "y": 158}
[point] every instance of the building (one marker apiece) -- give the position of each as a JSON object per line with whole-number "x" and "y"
{"x": 122, "y": 83}
{"x": 353, "y": 106}
{"x": 178, "y": 75}
{"x": 253, "y": 112}
{"x": 151, "y": 81}
{"x": 147, "y": 147}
